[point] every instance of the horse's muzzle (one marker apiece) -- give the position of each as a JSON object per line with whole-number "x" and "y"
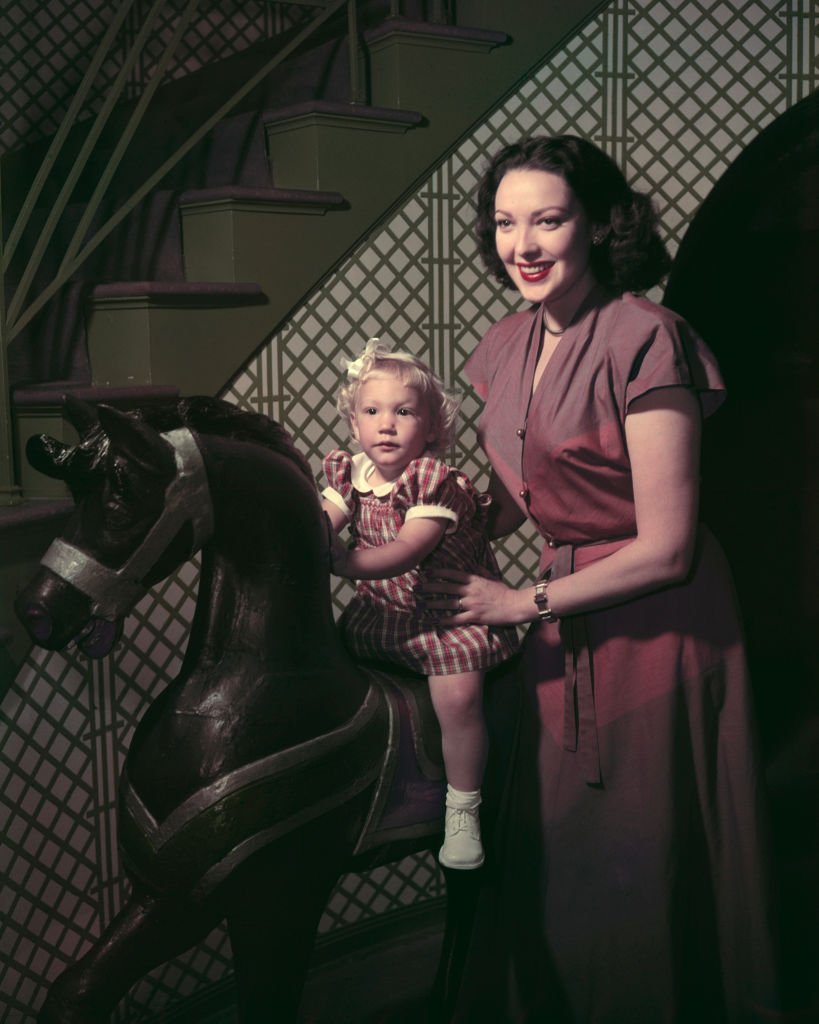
{"x": 52, "y": 611}
{"x": 38, "y": 623}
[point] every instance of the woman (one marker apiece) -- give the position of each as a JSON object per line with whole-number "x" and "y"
{"x": 632, "y": 874}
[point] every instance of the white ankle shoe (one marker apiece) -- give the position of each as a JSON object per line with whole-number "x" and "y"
{"x": 462, "y": 847}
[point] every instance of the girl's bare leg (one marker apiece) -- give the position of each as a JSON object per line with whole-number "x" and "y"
{"x": 458, "y": 703}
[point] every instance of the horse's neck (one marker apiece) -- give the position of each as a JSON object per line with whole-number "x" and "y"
{"x": 264, "y": 617}
{"x": 272, "y": 616}
{"x": 276, "y": 635}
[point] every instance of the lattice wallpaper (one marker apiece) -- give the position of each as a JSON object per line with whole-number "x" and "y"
{"x": 674, "y": 90}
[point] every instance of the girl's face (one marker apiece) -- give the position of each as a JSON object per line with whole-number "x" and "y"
{"x": 391, "y": 424}
{"x": 543, "y": 237}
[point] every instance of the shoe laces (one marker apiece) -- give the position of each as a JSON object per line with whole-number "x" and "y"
{"x": 462, "y": 819}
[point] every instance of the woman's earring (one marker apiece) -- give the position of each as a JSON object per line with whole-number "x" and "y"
{"x": 598, "y": 237}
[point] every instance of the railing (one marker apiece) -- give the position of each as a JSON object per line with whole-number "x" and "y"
{"x": 21, "y": 309}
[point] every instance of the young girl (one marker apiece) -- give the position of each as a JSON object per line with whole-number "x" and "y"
{"x": 410, "y": 512}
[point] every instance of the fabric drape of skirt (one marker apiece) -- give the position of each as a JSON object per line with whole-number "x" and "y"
{"x": 628, "y": 876}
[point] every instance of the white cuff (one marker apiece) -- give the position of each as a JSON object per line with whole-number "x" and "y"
{"x": 434, "y": 512}
{"x": 332, "y": 495}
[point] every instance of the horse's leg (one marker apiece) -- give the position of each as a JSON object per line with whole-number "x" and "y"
{"x": 275, "y": 905}
{"x": 146, "y": 932}
{"x": 463, "y": 890}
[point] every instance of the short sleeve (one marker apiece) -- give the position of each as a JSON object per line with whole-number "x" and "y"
{"x": 337, "y": 468}
{"x": 673, "y": 355}
{"x": 429, "y": 488}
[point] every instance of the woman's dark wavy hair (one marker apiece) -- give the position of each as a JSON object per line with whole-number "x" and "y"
{"x": 632, "y": 257}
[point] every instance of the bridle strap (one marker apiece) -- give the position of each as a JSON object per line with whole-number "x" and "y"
{"x": 114, "y": 592}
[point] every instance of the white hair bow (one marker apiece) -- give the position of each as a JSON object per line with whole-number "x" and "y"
{"x": 355, "y": 366}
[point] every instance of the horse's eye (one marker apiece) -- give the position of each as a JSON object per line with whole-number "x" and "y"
{"x": 120, "y": 490}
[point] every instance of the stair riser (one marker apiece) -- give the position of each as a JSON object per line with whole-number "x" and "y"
{"x": 139, "y": 343}
{"x": 406, "y": 71}
{"x": 315, "y": 151}
{"x": 242, "y": 242}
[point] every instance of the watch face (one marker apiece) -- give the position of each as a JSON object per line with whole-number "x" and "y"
{"x": 542, "y": 602}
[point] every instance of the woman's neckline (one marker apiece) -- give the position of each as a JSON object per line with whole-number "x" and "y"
{"x": 543, "y": 336}
{"x": 594, "y": 291}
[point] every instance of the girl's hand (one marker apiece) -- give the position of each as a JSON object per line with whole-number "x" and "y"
{"x": 463, "y": 598}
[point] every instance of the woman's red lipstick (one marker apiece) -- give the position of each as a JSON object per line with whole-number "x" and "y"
{"x": 534, "y": 272}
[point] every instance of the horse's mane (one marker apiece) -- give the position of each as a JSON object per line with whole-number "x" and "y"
{"x": 205, "y": 415}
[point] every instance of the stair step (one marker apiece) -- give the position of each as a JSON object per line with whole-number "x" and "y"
{"x": 310, "y": 147}
{"x": 386, "y": 118}
{"x": 408, "y": 58}
{"x": 38, "y": 409}
{"x": 185, "y": 294}
{"x": 289, "y": 200}
{"x": 479, "y": 39}
{"x": 218, "y": 222}
{"x": 155, "y": 332}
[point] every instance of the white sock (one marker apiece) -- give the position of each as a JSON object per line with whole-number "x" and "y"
{"x": 466, "y": 800}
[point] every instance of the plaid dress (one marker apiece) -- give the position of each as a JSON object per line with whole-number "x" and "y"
{"x": 383, "y": 620}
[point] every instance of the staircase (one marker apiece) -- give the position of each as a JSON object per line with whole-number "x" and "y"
{"x": 233, "y": 238}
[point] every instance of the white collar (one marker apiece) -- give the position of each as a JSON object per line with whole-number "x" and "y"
{"x": 362, "y": 469}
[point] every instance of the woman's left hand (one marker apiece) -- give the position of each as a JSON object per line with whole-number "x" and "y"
{"x": 461, "y": 598}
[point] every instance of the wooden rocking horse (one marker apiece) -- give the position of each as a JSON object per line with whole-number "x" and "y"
{"x": 273, "y": 763}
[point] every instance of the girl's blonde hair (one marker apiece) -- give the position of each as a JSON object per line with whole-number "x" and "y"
{"x": 377, "y": 360}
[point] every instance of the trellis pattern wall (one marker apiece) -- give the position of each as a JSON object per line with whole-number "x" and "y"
{"x": 674, "y": 90}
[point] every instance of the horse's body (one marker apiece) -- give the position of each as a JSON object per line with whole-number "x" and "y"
{"x": 250, "y": 780}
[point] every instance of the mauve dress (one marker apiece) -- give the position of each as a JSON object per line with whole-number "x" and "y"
{"x": 631, "y": 854}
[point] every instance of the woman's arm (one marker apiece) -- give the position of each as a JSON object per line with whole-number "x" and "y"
{"x": 663, "y": 438}
{"x": 416, "y": 539}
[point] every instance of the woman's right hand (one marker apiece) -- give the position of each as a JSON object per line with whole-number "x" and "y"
{"x": 466, "y": 598}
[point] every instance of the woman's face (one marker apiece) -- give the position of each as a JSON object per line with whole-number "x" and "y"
{"x": 543, "y": 237}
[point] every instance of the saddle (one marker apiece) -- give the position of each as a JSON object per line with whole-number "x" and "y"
{"x": 222, "y": 824}
{"x": 409, "y": 797}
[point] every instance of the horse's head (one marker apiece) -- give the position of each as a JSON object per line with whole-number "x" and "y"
{"x": 143, "y": 507}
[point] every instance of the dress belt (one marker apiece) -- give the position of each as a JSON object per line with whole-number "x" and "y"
{"x": 579, "y": 716}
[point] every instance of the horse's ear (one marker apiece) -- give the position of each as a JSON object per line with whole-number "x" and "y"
{"x": 48, "y": 456}
{"x": 82, "y": 416}
{"x": 136, "y": 440}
